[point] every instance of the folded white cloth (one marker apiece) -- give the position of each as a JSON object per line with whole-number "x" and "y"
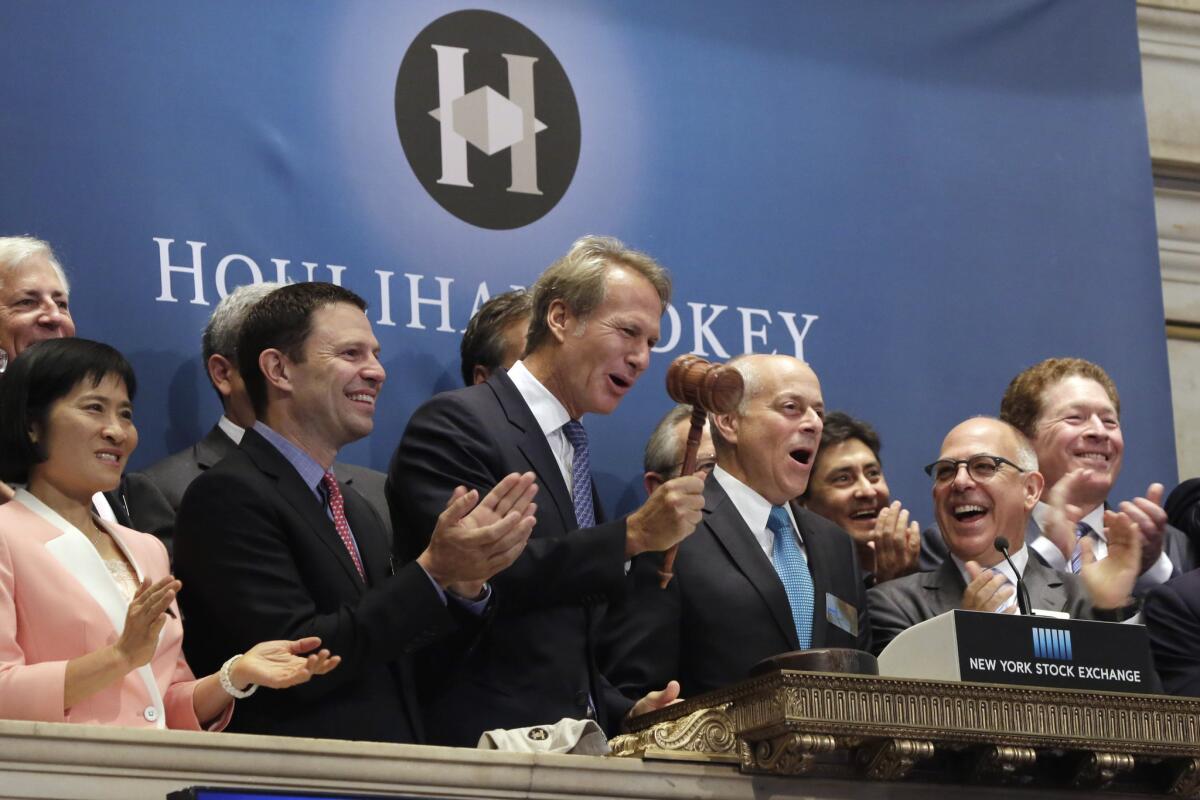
{"x": 581, "y": 737}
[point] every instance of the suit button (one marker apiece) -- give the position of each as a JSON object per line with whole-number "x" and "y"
{"x": 151, "y": 714}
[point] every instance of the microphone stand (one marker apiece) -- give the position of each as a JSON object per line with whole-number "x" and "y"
{"x": 1001, "y": 545}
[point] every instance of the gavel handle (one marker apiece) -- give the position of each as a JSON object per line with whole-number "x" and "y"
{"x": 695, "y": 433}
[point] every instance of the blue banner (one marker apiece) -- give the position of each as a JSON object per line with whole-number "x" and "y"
{"x": 920, "y": 198}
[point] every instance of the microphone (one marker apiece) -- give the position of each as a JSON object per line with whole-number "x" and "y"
{"x": 1001, "y": 545}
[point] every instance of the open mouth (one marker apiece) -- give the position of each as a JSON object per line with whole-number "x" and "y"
{"x": 968, "y": 512}
{"x": 363, "y": 397}
{"x": 865, "y": 514}
{"x": 803, "y": 455}
{"x": 1100, "y": 459}
{"x": 109, "y": 458}
{"x": 620, "y": 383}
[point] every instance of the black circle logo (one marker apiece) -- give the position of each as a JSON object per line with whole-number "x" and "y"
{"x": 487, "y": 119}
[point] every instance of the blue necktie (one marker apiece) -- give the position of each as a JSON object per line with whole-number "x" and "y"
{"x": 581, "y": 474}
{"x": 792, "y": 567}
{"x": 1081, "y": 530}
{"x": 1008, "y": 581}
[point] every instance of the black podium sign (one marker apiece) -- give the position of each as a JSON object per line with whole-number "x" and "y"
{"x": 1061, "y": 653}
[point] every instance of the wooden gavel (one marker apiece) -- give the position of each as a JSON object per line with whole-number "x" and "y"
{"x": 709, "y": 389}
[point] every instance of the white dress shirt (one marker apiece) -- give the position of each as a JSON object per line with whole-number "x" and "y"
{"x": 756, "y": 511}
{"x": 550, "y": 414}
{"x": 1159, "y": 572}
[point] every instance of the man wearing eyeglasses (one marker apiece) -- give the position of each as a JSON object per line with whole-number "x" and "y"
{"x": 986, "y": 484}
{"x": 1070, "y": 412}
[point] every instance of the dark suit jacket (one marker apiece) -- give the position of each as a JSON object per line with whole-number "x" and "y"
{"x": 1172, "y": 617}
{"x": 170, "y": 478}
{"x": 535, "y": 662}
{"x": 260, "y": 559}
{"x": 898, "y": 604}
{"x": 726, "y": 609}
{"x": 1176, "y": 545}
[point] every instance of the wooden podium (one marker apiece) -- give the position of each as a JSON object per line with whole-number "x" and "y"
{"x": 839, "y": 726}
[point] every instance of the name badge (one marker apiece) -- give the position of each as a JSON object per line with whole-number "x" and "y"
{"x": 841, "y": 614}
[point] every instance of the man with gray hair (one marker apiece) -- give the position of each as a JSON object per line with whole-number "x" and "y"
{"x": 34, "y": 305}
{"x": 33, "y": 296}
{"x": 173, "y": 474}
{"x": 596, "y": 314}
{"x": 986, "y": 484}
{"x": 761, "y": 576}
{"x": 33, "y": 301}
{"x": 663, "y": 458}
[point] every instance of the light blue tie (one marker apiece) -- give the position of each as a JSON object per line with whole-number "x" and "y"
{"x": 1081, "y": 530}
{"x": 792, "y": 567}
{"x": 581, "y": 474}
{"x": 1008, "y": 582}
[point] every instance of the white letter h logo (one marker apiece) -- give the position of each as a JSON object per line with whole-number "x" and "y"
{"x": 487, "y": 119}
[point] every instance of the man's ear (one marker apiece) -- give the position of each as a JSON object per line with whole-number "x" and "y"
{"x": 560, "y": 320}
{"x": 1034, "y": 484}
{"x": 652, "y": 480}
{"x": 480, "y": 374}
{"x": 220, "y": 372}
{"x": 276, "y": 368}
{"x": 726, "y": 424}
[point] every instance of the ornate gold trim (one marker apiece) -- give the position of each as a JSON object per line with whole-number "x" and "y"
{"x": 704, "y": 735}
{"x": 785, "y": 722}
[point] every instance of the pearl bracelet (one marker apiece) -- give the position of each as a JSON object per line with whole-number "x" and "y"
{"x": 227, "y": 683}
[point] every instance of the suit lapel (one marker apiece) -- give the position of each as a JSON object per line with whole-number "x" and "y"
{"x": 300, "y": 497}
{"x": 364, "y": 524}
{"x": 727, "y": 526}
{"x": 212, "y": 448}
{"x": 533, "y": 445}
{"x": 817, "y": 553}
{"x": 72, "y": 550}
{"x": 1046, "y": 588}
{"x": 943, "y": 588}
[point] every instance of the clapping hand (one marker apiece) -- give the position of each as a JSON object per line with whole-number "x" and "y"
{"x": 281, "y": 663}
{"x": 474, "y": 539}
{"x": 1058, "y": 525}
{"x": 1109, "y": 581}
{"x": 987, "y": 590}
{"x": 1151, "y": 520}
{"x": 894, "y": 546}
{"x": 144, "y": 620}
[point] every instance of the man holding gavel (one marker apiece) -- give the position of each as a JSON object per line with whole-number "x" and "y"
{"x": 596, "y": 315}
{"x": 761, "y": 576}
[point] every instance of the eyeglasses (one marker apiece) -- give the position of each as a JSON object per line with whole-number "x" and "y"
{"x": 981, "y": 468}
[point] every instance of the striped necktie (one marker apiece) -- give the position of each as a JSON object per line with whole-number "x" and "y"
{"x": 1081, "y": 530}
{"x": 581, "y": 474}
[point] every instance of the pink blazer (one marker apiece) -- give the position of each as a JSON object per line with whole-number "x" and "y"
{"x": 57, "y": 602}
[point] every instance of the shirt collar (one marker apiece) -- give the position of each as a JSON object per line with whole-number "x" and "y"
{"x": 1094, "y": 519}
{"x": 310, "y": 471}
{"x": 1020, "y": 559}
{"x": 231, "y": 429}
{"x": 547, "y": 409}
{"x": 754, "y": 508}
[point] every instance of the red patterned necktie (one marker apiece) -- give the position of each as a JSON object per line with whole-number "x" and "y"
{"x": 338, "y": 506}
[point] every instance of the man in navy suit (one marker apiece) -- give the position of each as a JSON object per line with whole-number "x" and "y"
{"x": 270, "y": 544}
{"x": 153, "y": 496}
{"x": 761, "y": 575}
{"x": 595, "y": 319}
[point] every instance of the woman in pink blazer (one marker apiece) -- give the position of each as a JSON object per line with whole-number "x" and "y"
{"x": 89, "y": 628}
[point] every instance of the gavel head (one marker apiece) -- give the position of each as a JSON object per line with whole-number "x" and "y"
{"x": 715, "y": 388}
